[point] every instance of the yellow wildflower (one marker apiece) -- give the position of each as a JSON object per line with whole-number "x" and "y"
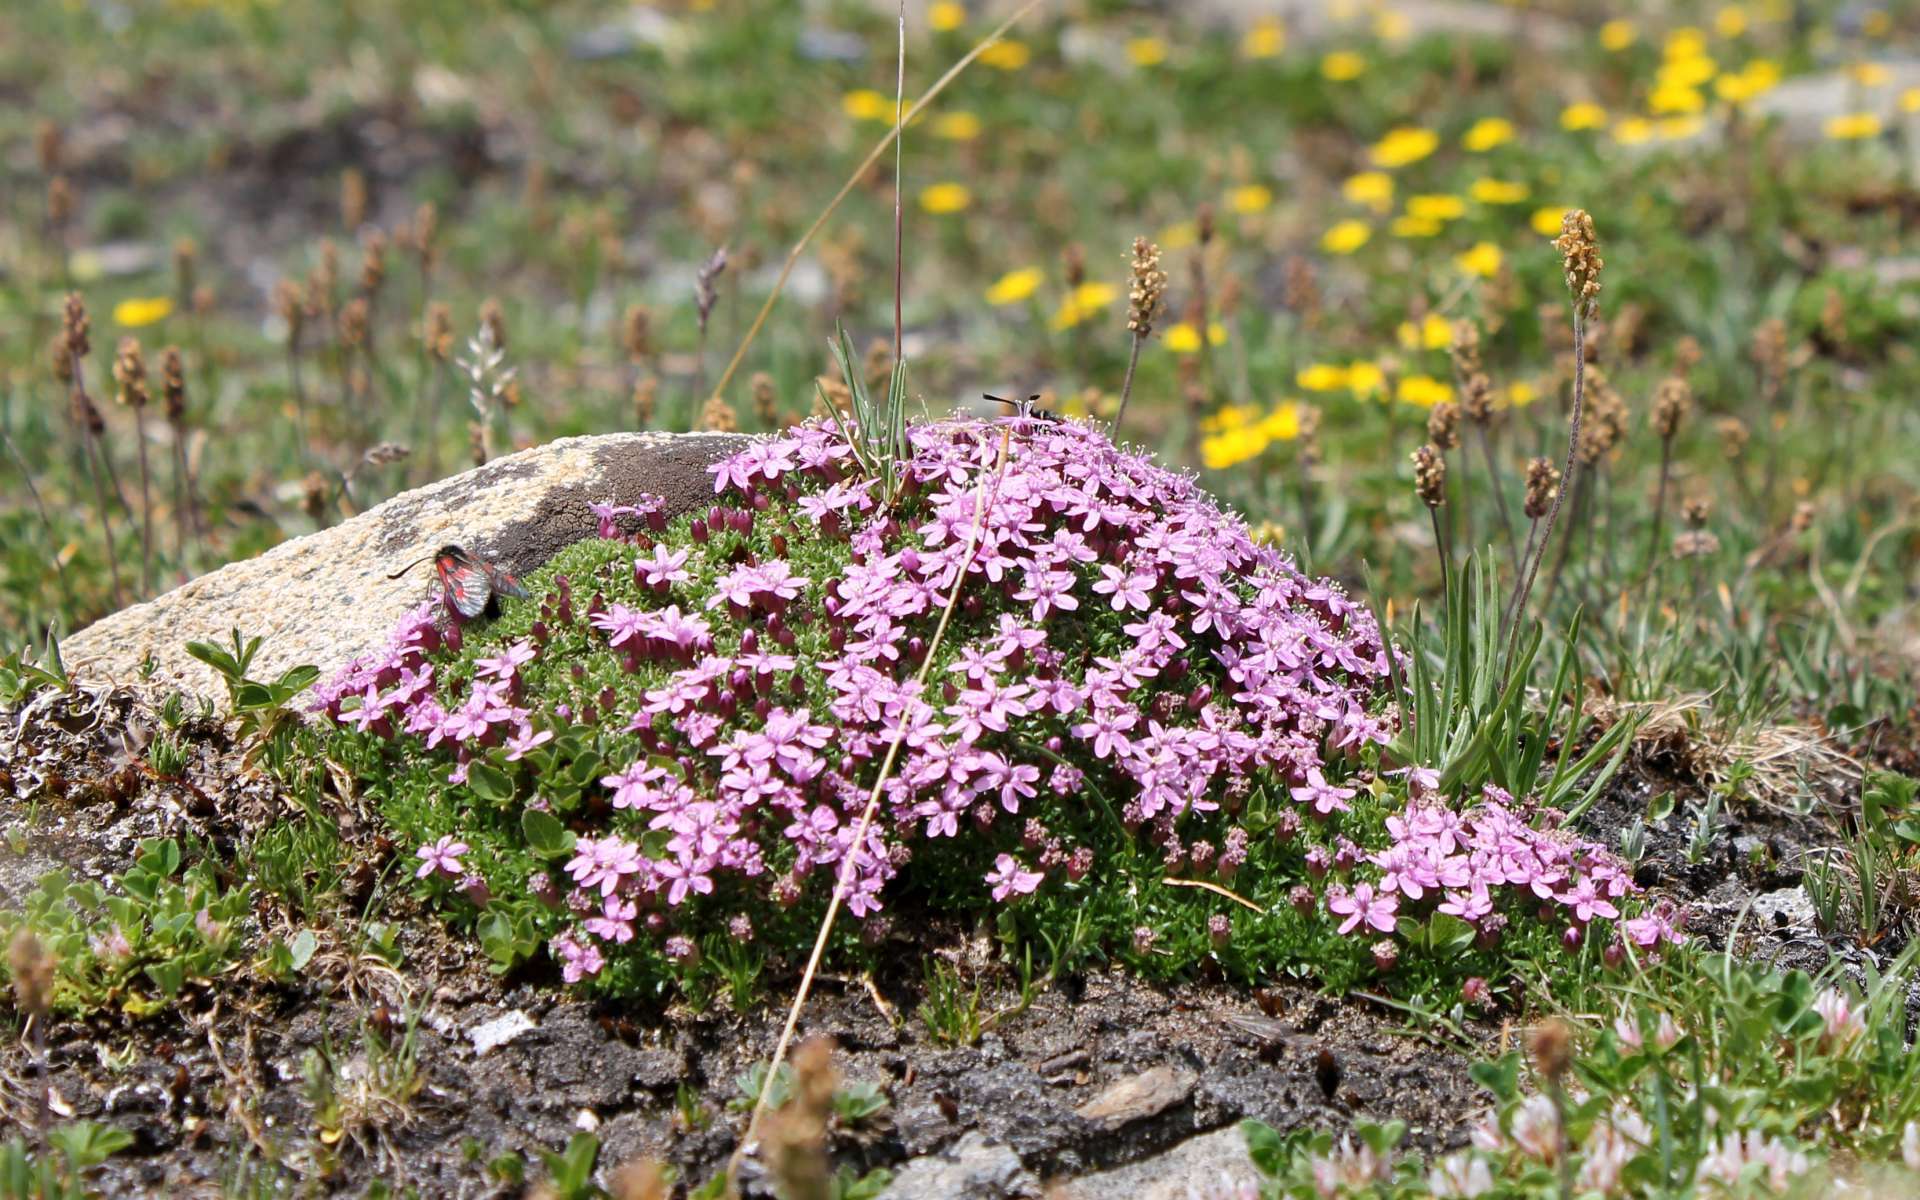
{"x": 943, "y": 198}
{"x": 946, "y": 16}
{"x": 1436, "y": 208}
{"x": 1404, "y": 145}
{"x": 1233, "y": 416}
{"x": 1868, "y": 74}
{"x": 1483, "y": 260}
{"x": 1252, "y": 198}
{"x": 1685, "y": 42}
{"x": 1435, "y": 332}
{"x": 1146, "y": 51}
{"x": 1410, "y": 226}
{"x": 132, "y": 314}
{"x": 1486, "y": 133}
{"x": 1633, "y": 131}
{"x": 1737, "y": 87}
{"x": 1910, "y": 100}
{"x": 1007, "y": 55}
{"x": 1371, "y": 188}
{"x": 1583, "y": 115}
{"x": 1853, "y": 127}
{"x": 1669, "y": 99}
{"x": 1322, "y": 377}
{"x": 1015, "y": 286}
{"x": 865, "y": 104}
{"x": 1392, "y": 26}
{"x": 1679, "y": 129}
{"x": 1730, "y": 22}
{"x": 1423, "y": 391}
{"x": 1686, "y": 72}
{"x": 1521, "y": 393}
{"x": 1283, "y": 423}
{"x": 1233, "y": 447}
{"x": 1265, "y": 40}
{"x": 1618, "y": 35}
{"x": 1498, "y": 191}
{"x": 1346, "y": 237}
{"x": 1365, "y": 378}
{"x": 1178, "y": 236}
{"x": 1185, "y": 339}
{"x": 1083, "y": 302}
{"x": 957, "y": 126}
{"x": 1546, "y": 221}
{"x": 1342, "y": 66}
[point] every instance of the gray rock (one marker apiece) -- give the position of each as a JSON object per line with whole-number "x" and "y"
{"x": 325, "y": 598}
{"x": 1208, "y": 1166}
{"x": 973, "y": 1168}
{"x": 1786, "y": 908}
{"x": 1805, "y": 104}
{"x": 1147, "y": 1094}
{"x": 500, "y": 1030}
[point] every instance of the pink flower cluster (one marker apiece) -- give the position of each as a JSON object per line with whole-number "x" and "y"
{"x": 1117, "y": 631}
{"x": 1470, "y": 864}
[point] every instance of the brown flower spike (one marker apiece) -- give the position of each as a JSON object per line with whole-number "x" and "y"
{"x": 1579, "y": 248}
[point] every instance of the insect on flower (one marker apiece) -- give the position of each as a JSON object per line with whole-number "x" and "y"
{"x": 1023, "y": 408}
{"x": 468, "y": 583}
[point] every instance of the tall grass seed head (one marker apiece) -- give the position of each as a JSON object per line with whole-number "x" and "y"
{"x": 292, "y": 311}
{"x": 438, "y": 339}
{"x": 173, "y": 385}
{"x": 130, "y": 373}
{"x": 1733, "y": 436}
{"x": 1543, "y": 480}
{"x": 49, "y": 146}
{"x": 1443, "y": 425}
{"x": 636, "y": 334}
{"x": 1550, "y": 1044}
{"x": 718, "y": 415}
{"x": 425, "y": 232}
{"x": 76, "y": 327}
{"x": 1430, "y": 476}
{"x": 1147, "y": 287}
{"x": 1579, "y": 248}
{"x": 761, "y": 388}
{"x": 1671, "y": 401}
{"x": 30, "y": 965}
{"x": 1463, "y": 348}
{"x": 495, "y": 319}
{"x": 373, "y": 263}
{"x": 60, "y": 201}
{"x": 1770, "y": 352}
{"x": 353, "y": 198}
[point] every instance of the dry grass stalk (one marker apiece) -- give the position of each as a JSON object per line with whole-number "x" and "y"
{"x": 1146, "y": 288}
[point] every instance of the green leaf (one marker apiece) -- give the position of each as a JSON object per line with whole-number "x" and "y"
{"x": 546, "y": 836}
{"x": 88, "y": 1143}
{"x": 301, "y": 949}
{"x": 489, "y": 782}
{"x": 169, "y": 976}
{"x": 1265, "y": 1147}
{"x": 1501, "y": 1076}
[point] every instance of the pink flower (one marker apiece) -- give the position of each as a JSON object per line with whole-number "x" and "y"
{"x": 579, "y": 959}
{"x": 1364, "y": 906}
{"x": 507, "y": 663}
{"x": 1323, "y": 796}
{"x": 1007, "y": 879}
{"x": 443, "y": 857}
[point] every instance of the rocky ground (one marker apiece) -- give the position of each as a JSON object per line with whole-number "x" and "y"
{"x": 1103, "y": 1085}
